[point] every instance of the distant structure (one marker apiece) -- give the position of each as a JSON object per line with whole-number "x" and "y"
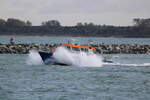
{"x": 12, "y": 41}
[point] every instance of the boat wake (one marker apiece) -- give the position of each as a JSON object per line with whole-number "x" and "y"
{"x": 129, "y": 65}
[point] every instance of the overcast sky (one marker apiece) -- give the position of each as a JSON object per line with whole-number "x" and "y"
{"x": 69, "y": 12}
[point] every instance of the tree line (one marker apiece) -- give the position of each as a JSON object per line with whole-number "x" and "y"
{"x": 11, "y": 26}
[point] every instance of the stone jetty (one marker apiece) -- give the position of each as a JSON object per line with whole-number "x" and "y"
{"x": 100, "y": 48}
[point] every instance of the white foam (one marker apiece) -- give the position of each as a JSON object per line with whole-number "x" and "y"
{"x": 77, "y": 59}
{"x": 34, "y": 58}
{"x": 132, "y": 65}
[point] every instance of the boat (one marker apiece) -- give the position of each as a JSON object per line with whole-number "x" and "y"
{"x": 48, "y": 57}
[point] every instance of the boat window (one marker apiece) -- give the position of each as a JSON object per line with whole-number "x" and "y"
{"x": 84, "y": 49}
{"x": 68, "y": 47}
{"x": 75, "y": 49}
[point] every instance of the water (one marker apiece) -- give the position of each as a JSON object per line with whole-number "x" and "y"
{"x": 128, "y": 78}
{"x": 80, "y": 40}
{"x": 24, "y": 77}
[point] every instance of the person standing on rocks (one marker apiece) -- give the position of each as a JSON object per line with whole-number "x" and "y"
{"x": 12, "y": 41}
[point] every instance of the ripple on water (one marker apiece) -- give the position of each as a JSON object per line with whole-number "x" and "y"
{"x": 20, "y": 81}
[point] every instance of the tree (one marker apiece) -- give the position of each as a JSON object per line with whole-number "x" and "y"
{"x": 11, "y": 22}
{"x": 28, "y": 23}
{"x": 2, "y": 22}
{"x": 88, "y": 24}
{"x": 85, "y": 24}
{"x": 91, "y": 24}
{"x": 51, "y": 23}
{"x": 79, "y": 24}
{"x": 141, "y": 22}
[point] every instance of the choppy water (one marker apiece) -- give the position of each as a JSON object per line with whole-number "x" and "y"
{"x": 23, "y": 77}
{"x": 128, "y": 78}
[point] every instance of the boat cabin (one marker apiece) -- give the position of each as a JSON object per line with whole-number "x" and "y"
{"x": 75, "y": 47}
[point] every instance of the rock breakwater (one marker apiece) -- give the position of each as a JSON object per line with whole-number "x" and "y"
{"x": 100, "y": 48}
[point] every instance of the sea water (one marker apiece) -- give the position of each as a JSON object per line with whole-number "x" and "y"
{"x": 25, "y": 77}
{"x": 80, "y": 40}
{"x": 128, "y": 78}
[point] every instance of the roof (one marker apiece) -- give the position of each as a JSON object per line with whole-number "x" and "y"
{"x": 79, "y": 46}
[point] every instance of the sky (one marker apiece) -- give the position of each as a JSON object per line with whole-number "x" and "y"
{"x": 70, "y": 12}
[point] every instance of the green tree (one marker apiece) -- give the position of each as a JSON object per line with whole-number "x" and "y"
{"x": 79, "y": 24}
{"x": 2, "y": 22}
{"x": 51, "y": 23}
{"x": 11, "y": 22}
{"x": 141, "y": 22}
{"x": 85, "y": 24}
{"x": 91, "y": 24}
{"x": 28, "y": 23}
